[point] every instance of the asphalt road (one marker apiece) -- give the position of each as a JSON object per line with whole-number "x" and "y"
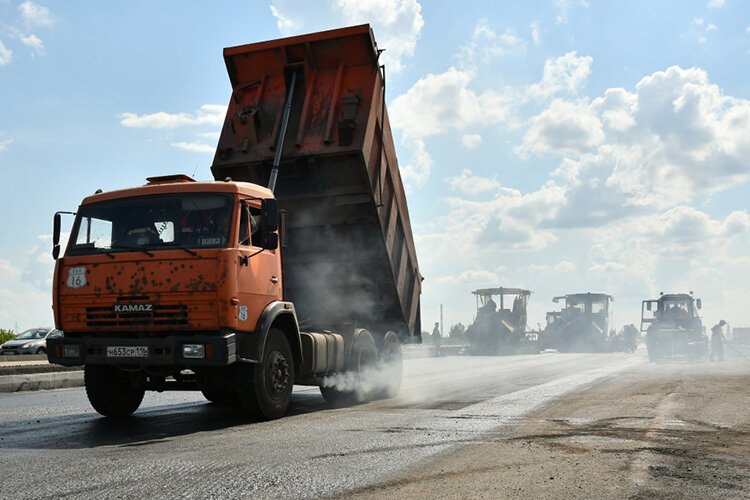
{"x": 461, "y": 427}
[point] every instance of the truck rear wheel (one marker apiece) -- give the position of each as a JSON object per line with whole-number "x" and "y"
{"x": 110, "y": 391}
{"x": 390, "y": 367}
{"x": 265, "y": 389}
{"x": 356, "y": 384}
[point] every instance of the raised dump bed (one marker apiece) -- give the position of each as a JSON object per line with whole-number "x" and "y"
{"x": 350, "y": 259}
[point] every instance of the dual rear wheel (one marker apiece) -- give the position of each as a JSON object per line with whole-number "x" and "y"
{"x": 367, "y": 375}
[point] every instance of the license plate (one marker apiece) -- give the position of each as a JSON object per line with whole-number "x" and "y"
{"x": 131, "y": 351}
{"x": 9, "y": 353}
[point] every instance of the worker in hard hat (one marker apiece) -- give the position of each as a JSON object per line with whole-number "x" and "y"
{"x": 717, "y": 341}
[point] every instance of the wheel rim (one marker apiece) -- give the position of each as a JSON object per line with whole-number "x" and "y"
{"x": 278, "y": 368}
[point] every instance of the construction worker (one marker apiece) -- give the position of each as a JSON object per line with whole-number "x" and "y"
{"x": 717, "y": 340}
{"x": 436, "y": 340}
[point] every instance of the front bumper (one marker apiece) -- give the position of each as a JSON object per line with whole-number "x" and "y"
{"x": 18, "y": 350}
{"x": 165, "y": 351}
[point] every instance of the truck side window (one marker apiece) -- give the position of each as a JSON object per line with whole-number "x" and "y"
{"x": 244, "y": 224}
{"x": 250, "y": 218}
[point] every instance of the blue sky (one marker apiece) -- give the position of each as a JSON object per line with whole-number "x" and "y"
{"x": 562, "y": 146}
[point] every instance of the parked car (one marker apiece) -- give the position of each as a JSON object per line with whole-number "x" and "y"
{"x": 33, "y": 341}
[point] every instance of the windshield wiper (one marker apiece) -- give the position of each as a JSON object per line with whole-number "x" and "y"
{"x": 178, "y": 247}
{"x": 127, "y": 247}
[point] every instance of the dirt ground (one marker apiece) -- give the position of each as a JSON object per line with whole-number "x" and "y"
{"x": 671, "y": 430}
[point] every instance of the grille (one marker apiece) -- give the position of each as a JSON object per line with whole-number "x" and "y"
{"x": 162, "y": 315}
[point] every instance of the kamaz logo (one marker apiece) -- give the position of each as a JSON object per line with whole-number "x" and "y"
{"x": 119, "y": 308}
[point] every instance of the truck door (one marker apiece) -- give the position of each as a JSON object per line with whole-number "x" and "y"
{"x": 648, "y": 313}
{"x": 259, "y": 273}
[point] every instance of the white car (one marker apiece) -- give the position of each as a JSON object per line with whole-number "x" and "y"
{"x": 33, "y": 341}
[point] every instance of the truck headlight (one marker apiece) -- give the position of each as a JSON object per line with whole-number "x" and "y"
{"x": 71, "y": 351}
{"x": 193, "y": 351}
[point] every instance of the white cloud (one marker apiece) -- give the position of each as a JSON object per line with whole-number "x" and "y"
{"x": 686, "y": 231}
{"x": 567, "y": 73}
{"x": 617, "y": 109}
{"x": 35, "y": 43}
{"x": 397, "y": 25}
{"x": 284, "y": 24}
{"x": 417, "y": 168}
{"x": 36, "y": 15}
{"x": 472, "y": 278}
{"x": 4, "y": 145}
{"x": 436, "y": 104}
{"x": 623, "y": 153}
{"x": 467, "y": 183}
{"x": 5, "y": 54}
{"x": 536, "y": 37}
{"x": 471, "y": 141}
{"x": 716, "y": 3}
{"x": 507, "y": 222}
{"x": 486, "y": 44}
{"x": 687, "y": 241}
{"x": 208, "y": 114}
{"x": 565, "y": 266}
{"x": 211, "y": 135}
{"x": 703, "y": 29}
{"x": 194, "y": 147}
{"x": 565, "y": 6}
{"x": 563, "y": 128}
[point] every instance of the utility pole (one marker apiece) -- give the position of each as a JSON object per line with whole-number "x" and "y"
{"x": 441, "y": 320}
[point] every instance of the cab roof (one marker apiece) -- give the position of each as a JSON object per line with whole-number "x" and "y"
{"x": 181, "y": 184}
{"x": 582, "y": 295}
{"x": 501, "y": 291}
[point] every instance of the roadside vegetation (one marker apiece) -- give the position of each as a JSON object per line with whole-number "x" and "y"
{"x": 6, "y": 335}
{"x": 456, "y": 336}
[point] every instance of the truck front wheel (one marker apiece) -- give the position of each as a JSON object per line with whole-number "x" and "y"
{"x": 110, "y": 391}
{"x": 265, "y": 389}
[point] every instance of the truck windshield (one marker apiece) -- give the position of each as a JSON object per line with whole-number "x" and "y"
{"x": 195, "y": 220}
{"x": 678, "y": 307}
{"x": 598, "y": 305}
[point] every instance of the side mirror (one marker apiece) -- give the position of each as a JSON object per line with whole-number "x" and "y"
{"x": 269, "y": 211}
{"x": 269, "y": 241}
{"x": 698, "y": 303}
{"x": 56, "y": 236}
{"x": 648, "y": 306}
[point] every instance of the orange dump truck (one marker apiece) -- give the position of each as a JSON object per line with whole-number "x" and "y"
{"x": 296, "y": 266}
